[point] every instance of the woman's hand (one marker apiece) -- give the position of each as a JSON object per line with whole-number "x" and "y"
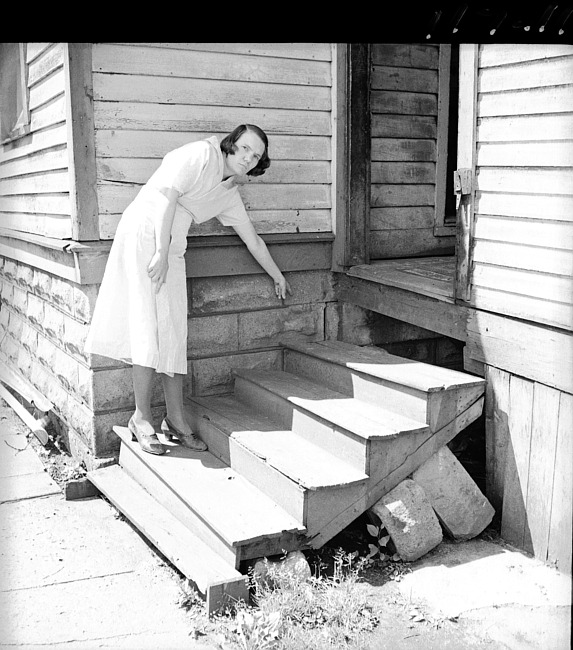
{"x": 282, "y": 287}
{"x": 157, "y": 269}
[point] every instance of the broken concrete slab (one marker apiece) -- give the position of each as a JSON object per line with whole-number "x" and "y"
{"x": 409, "y": 518}
{"x": 461, "y": 507}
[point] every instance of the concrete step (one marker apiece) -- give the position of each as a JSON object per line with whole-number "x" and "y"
{"x": 216, "y": 579}
{"x": 216, "y": 503}
{"x": 347, "y": 427}
{"x": 300, "y": 476}
{"x": 421, "y": 391}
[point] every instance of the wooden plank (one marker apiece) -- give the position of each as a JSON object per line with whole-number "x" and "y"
{"x": 403, "y": 126}
{"x": 56, "y": 262}
{"x": 208, "y": 65}
{"x": 404, "y": 103}
{"x": 541, "y": 466}
{"x": 496, "y": 434}
{"x": 177, "y": 117}
{"x": 407, "y": 79}
{"x": 340, "y": 154}
{"x": 51, "y": 59}
{"x": 139, "y": 170}
{"x": 561, "y": 524}
{"x": 155, "y": 144}
{"x": 408, "y": 243}
{"x": 526, "y": 206}
{"x": 423, "y": 311}
{"x": 526, "y": 283}
{"x": 33, "y": 143}
{"x": 401, "y": 218}
{"x": 81, "y": 149}
{"x": 537, "y": 310}
{"x": 517, "y": 128}
{"x": 41, "y": 161}
{"x": 114, "y": 198}
{"x": 417, "y": 275}
{"x": 53, "y": 182}
{"x": 443, "y": 137}
{"x": 48, "y": 225}
{"x": 520, "y": 256}
{"x": 265, "y": 222}
{"x": 402, "y": 149}
{"x": 37, "y": 204}
{"x": 533, "y": 74}
{"x": 214, "y": 92}
{"x": 189, "y": 554}
{"x": 405, "y": 55}
{"x": 525, "y": 349}
{"x": 497, "y": 54}
{"x": 533, "y": 232}
{"x": 530, "y": 181}
{"x": 33, "y": 50}
{"x": 47, "y": 115}
{"x": 47, "y": 89}
{"x": 310, "y": 51}
{"x": 403, "y": 172}
{"x": 514, "y": 525}
{"x": 555, "y": 99}
{"x": 387, "y": 195}
{"x": 525, "y": 154}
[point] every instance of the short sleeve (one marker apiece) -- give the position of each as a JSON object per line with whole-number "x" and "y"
{"x": 182, "y": 167}
{"x": 235, "y": 214}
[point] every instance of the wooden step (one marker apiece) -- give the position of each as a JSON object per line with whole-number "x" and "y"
{"x": 219, "y": 505}
{"x": 214, "y": 577}
{"x": 421, "y": 391}
{"x": 300, "y": 476}
{"x": 350, "y": 428}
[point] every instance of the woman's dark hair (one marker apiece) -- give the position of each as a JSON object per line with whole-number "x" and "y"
{"x": 228, "y": 146}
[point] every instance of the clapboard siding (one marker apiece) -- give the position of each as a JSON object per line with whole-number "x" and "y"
{"x": 152, "y": 98}
{"x": 524, "y": 183}
{"x": 404, "y": 89}
{"x": 34, "y": 174}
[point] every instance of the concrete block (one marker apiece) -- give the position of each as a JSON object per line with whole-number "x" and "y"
{"x": 84, "y": 299}
{"x": 46, "y": 351}
{"x": 62, "y": 294}
{"x": 35, "y": 311}
{"x": 75, "y": 333}
{"x": 42, "y": 284}
{"x": 20, "y": 300}
{"x": 409, "y": 519}
{"x": 460, "y": 505}
{"x": 6, "y": 293}
{"x": 24, "y": 276}
{"x": 276, "y": 326}
{"x": 113, "y": 390}
{"x": 29, "y": 338}
{"x": 53, "y": 323}
{"x": 10, "y": 271}
{"x": 212, "y": 335}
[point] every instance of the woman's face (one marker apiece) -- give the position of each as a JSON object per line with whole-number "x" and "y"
{"x": 250, "y": 148}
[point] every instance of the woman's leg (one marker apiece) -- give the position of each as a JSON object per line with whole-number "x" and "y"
{"x": 142, "y": 387}
{"x": 173, "y": 390}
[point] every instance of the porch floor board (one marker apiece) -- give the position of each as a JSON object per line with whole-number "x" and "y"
{"x": 429, "y": 276}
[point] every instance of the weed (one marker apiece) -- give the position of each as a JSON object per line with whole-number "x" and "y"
{"x": 380, "y": 550}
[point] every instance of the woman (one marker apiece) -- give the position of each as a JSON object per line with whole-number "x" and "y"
{"x": 141, "y": 312}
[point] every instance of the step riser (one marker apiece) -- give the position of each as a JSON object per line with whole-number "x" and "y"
{"x": 176, "y": 506}
{"x": 399, "y": 399}
{"x": 324, "y": 434}
{"x": 286, "y": 493}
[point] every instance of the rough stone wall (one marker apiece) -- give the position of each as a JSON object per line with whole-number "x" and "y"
{"x": 43, "y": 323}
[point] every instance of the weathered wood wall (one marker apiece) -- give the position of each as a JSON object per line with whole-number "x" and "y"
{"x": 529, "y": 430}
{"x": 151, "y": 98}
{"x": 523, "y": 253}
{"x": 404, "y": 109}
{"x": 34, "y": 177}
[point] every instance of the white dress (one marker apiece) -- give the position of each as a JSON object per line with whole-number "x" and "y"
{"x": 131, "y": 322}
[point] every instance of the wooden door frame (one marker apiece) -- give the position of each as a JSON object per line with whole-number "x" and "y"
{"x": 353, "y": 164}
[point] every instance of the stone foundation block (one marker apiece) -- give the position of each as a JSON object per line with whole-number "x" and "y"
{"x": 212, "y": 335}
{"x": 460, "y": 505}
{"x": 407, "y": 515}
{"x": 293, "y": 568}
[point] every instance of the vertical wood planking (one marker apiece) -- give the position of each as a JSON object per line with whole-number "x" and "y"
{"x": 81, "y": 141}
{"x": 339, "y": 154}
{"x": 561, "y": 522}
{"x": 541, "y": 466}
{"x": 514, "y": 527}
{"x": 496, "y": 433}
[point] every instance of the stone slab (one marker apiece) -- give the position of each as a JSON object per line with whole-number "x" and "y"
{"x": 51, "y": 540}
{"x": 409, "y": 519}
{"x": 460, "y": 505}
{"x": 18, "y": 457}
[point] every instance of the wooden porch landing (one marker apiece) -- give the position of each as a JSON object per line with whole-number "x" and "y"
{"x": 429, "y": 276}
